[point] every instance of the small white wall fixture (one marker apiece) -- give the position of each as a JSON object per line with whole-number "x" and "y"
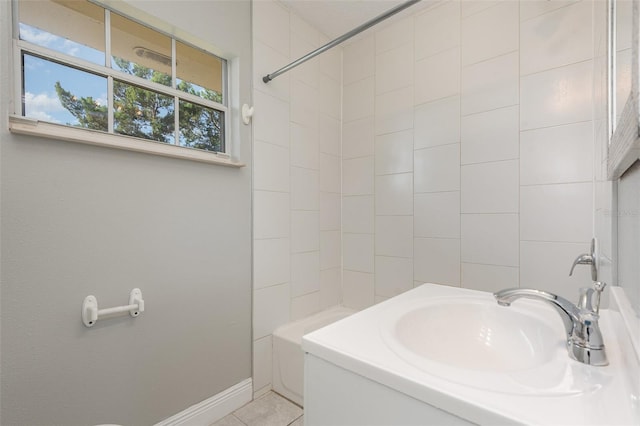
{"x": 247, "y": 113}
{"x": 91, "y": 313}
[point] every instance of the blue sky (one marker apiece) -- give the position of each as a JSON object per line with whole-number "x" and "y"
{"x": 41, "y": 100}
{"x": 40, "y": 76}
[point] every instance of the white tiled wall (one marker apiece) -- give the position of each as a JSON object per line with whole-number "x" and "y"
{"x": 464, "y": 145}
{"x": 358, "y": 173}
{"x": 480, "y": 169}
{"x": 556, "y": 144}
{"x": 297, "y": 178}
{"x": 603, "y": 218}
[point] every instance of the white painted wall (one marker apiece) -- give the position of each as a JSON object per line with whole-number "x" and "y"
{"x": 297, "y": 179}
{"x": 80, "y": 220}
{"x": 468, "y": 149}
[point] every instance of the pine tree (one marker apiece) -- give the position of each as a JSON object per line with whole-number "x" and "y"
{"x": 89, "y": 113}
{"x": 146, "y": 114}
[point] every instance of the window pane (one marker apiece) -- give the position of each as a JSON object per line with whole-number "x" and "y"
{"x": 72, "y": 27}
{"x": 199, "y": 73}
{"x": 64, "y": 95}
{"x": 143, "y": 113}
{"x": 201, "y": 127}
{"x": 140, "y": 51}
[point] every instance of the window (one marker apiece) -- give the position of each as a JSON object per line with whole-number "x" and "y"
{"x": 88, "y": 67}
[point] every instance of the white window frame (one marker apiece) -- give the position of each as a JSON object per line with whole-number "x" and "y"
{"x": 25, "y": 125}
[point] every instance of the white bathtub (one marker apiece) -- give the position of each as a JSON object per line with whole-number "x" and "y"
{"x": 288, "y": 357}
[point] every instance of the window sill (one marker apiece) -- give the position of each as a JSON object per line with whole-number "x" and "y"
{"x": 26, "y": 126}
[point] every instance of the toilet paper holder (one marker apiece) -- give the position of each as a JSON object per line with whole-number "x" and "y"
{"x": 91, "y": 313}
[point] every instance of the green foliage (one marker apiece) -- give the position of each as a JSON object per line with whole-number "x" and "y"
{"x": 142, "y": 113}
{"x": 90, "y": 114}
{"x": 200, "y": 127}
{"x": 146, "y": 114}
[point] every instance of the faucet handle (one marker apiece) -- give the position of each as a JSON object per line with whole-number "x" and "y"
{"x": 599, "y": 286}
{"x": 587, "y": 259}
{"x": 584, "y": 302}
{"x": 583, "y": 259}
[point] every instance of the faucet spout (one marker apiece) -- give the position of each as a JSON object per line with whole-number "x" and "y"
{"x": 584, "y": 339}
{"x": 569, "y": 313}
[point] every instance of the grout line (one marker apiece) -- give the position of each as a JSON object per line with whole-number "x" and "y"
{"x": 296, "y": 419}
{"x": 271, "y": 143}
{"x": 477, "y": 12}
{"x": 489, "y": 213}
{"x": 554, "y": 242}
{"x": 472, "y": 114}
{"x": 520, "y": 20}
{"x": 272, "y": 191}
{"x": 238, "y": 419}
{"x": 395, "y": 173}
{"x": 490, "y": 264}
{"x": 271, "y": 286}
{"x": 460, "y": 86}
{"x": 290, "y": 214}
{"x": 556, "y": 67}
{"x": 499, "y": 55}
{"x": 436, "y": 192}
{"x": 572, "y": 123}
{"x": 457, "y": 95}
{"x": 502, "y": 160}
{"x": 437, "y": 146}
{"x": 579, "y": 182}
{"x": 519, "y": 278}
{"x": 433, "y": 55}
{"x": 373, "y": 141}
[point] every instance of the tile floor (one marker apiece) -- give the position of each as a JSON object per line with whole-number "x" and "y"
{"x": 269, "y": 410}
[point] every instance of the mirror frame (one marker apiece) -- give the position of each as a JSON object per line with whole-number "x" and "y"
{"x": 624, "y": 144}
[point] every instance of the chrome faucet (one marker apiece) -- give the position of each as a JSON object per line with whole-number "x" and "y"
{"x": 588, "y": 259}
{"x": 584, "y": 339}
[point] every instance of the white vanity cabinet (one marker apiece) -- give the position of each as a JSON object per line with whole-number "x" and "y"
{"x": 343, "y": 398}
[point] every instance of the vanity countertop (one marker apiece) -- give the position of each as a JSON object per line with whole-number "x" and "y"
{"x": 587, "y": 395}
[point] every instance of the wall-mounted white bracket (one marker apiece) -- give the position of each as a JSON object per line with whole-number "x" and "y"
{"x": 247, "y": 113}
{"x": 91, "y": 313}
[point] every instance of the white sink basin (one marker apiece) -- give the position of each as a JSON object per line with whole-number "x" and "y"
{"x": 471, "y": 340}
{"x": 475, "y": 335}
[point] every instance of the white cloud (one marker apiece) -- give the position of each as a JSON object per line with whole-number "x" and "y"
{"x": 70, "y": 48}
{"x": 41, "y": 106}
{"x": 43, "y": 102}
{"x": 36, "y": 36}
{"x": 41, "y": 115}
{"x": 52, "y": 41}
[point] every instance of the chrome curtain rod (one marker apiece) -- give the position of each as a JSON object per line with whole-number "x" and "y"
{"x": 267, "y": 78}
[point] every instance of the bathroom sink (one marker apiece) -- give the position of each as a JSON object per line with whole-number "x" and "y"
{"x": 448, "y": 355}
{"x": 473, "y": 341}
{"x": 473, "y": 334}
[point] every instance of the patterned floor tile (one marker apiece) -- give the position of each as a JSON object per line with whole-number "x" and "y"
{"x": 269, "y": 410}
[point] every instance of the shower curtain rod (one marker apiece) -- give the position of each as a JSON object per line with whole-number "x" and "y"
{"x": 267, "y": 78}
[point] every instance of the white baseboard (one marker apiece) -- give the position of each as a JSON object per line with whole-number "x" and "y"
{"x": 213, "y": 409}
